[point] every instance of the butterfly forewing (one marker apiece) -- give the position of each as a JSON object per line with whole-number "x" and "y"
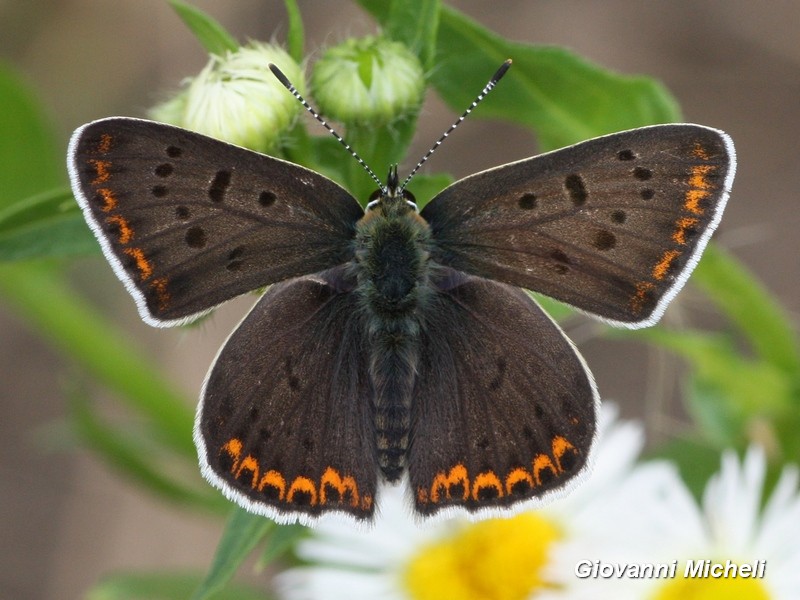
{"x": 612, "y": 226}
{"x": 189, "y": 222}
{"x": 284, "y": 427}
{"x": 504, "y": 410}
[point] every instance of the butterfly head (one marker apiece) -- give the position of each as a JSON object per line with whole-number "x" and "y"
{"x": 392, "y": 197}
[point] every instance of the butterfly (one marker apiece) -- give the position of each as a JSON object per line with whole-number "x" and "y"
{"x": 394, "y": 344}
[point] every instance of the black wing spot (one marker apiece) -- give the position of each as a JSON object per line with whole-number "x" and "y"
{"x": 195, "y": 237}
{"x": 174, "y": 151}
{"x": 642, "y": 173}
{"x": 219, "y": 186}
{"x": 159, "y": 191}
{"x": 182, "y": 212}
{"x": 576, "y": 188}
{"x": 520, "y": 488}
{"x": 562, "y": 260}
{"x": 604, "y": 240}
{"x": 527, "y": 201}
{"x": 266, "y": 199}
{"x": 647, "y": 193}
{"x": 497, "y": 381}
{"x": 488, "y": 493}
{"x": 234, "y": 259}
{"x": 626, "y": 155}
{"x": 619, "y": 216}
{"x": 164, "y": 170}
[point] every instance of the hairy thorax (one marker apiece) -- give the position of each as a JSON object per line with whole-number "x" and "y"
{"x": 392, "y": 258}
{"x": 392, "y": 272}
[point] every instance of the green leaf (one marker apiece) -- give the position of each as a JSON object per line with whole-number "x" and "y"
{"x": 130, "y": 453}
{"x": 715, "y": 416}
{"x": 33, "y": 222}
{"x": 39, "y": 294}
{"x": 29, "y": 157}
{"x": 213, "y": 36}
{"x": 379, "y": 148}
{"x": 558, "y": 311}
{"x": 747, "y": 304}
{"x": 561, "y": 97}
{"x": 164, "y": 586}
{"x": 283, "y": 539}
{"x": 49, "y": 224}
{"x": 242, "y": 534}
{"x": 415, "y": 23}
{"x": 749, "y": 388}
{"x": 425, "y": 187}
{"x": 295, "y": 37}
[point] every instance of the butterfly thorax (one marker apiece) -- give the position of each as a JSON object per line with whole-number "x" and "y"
{"x": 392, "y": 272}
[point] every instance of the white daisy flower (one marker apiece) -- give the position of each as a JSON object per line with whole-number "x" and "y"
{"x": 494, "y": 559}
{"x": 736, "y": 529}
{"x": 730, "y": 528}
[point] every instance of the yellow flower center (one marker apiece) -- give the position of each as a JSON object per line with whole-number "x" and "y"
{"x": 712, "y": 589}
{"x": 496, "y": 559}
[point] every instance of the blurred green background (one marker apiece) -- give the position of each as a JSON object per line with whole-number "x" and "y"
{"x": 65, "y": 519}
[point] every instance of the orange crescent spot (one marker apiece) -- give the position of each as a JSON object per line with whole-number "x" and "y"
{"x": 249, "y": 463}
{"x": 273, "y": 479}
{"x": 541, "y": 462}
{"x": 517, "y": 475}
{"x": 699, "y": 188}
{"x": 332, "y": 478}
{"x": 698, "y": 177}
{"x": 561, "y": 446}
{"x": 144, "y": 266}
{"x": 681, "y": 226}
{"x": 456, "y": 475}
{"x": 366, "y": 502}
{"x": 233, "y": 448}
{"x": 109, "y": 202}
{"x": 101, "y": 168}
{"x": 160, "y": 287}
{"x": 485, "y": 480}
{"x": 693, "y": 199}
{"x": 422, "y": 495}
{"x": 700, "y": 152}
{"x": 302, "y": 484}
{"x": 662, "y": 268}
{"x": 105, "y": 143}
{"x": 640, "y": 297}
{"x": 125, "y": 230}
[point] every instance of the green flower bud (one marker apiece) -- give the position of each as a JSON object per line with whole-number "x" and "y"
{"x": 237, "y": 99}
{"x": 368, "y": 81}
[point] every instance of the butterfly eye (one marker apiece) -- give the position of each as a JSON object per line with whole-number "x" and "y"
{"x": 410, "y": 200}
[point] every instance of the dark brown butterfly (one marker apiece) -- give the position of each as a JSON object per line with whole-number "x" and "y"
{"x": 393, "y": 342}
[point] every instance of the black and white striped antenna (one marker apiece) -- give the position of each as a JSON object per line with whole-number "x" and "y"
{"x": 486, "y": 89}
{"x": 288, "y": 85}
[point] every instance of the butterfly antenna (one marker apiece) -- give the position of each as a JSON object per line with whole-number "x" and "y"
{"x": 486, "y": 89}
{"x": 288, "y": 85}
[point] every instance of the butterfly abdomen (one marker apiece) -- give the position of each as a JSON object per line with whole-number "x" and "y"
{"x": 392, "y": 272}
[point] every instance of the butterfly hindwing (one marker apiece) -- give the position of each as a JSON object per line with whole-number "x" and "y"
{"x": 189, "y": 222}
{"x": 612, "y": 226}
{"x": 284, "y": 425}
{"x": 504, "y": 410}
